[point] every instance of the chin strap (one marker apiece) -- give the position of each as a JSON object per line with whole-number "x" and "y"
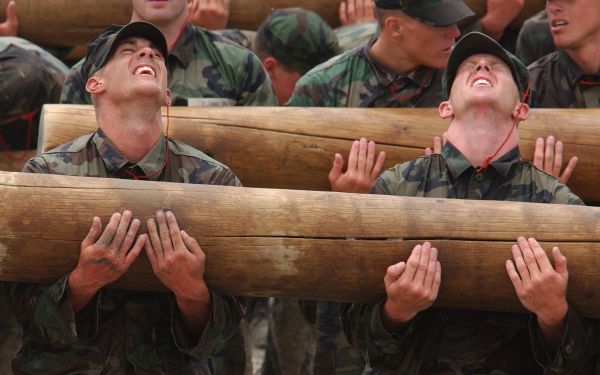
{"x": 486, "y": 163}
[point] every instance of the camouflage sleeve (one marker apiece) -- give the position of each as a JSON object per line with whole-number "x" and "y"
{"x": 563, "y": 195}
{"x": 365, "y": 332}
{"x": 352, "y": 36}
{"x": 34, "y": 165}
{"x": 47, "y": 316}
{"x": 307, "y": 92}
{"x": 225, "y": 316}
{"x": 256, "y": 88}
{"x": 574, "y": 351}
{"x": 74, "y": 91}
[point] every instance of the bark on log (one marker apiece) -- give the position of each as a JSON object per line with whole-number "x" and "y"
{"x": 70, "y": 23}
{"x": 293, "y": 148}
{"x": 312, "y": 245}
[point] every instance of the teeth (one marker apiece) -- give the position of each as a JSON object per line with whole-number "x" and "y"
{"x": 145, "y": 70}
{"x": 481, "y": 82}
{"x": 559, "y": 23}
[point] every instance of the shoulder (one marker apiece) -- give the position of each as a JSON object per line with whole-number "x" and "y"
{"x": 201, "y": 168}
{"x": 543, "y": 63}
{"x": 411, "y": 177}
{"x": 347, "y": 63}
{"x": 545, "y": 187}
{"x": 55, "y": 160}
{"x": 214, "y": 43}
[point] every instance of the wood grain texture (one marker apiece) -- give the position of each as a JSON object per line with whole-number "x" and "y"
{"x": 293, "y": 148}
{"x": 314, "y": 245}
{"x": 70, "y": 23}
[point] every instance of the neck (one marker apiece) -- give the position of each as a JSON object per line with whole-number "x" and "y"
{"x": 171, "y": 30}
{"x": 587, "y": 55}
{"x": 387, "y": 53}
{"x": 133, "y": 128}
{"x": 480, "y": 134}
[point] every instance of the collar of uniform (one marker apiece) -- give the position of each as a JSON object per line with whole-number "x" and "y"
{"x": 458, "y": 164}
{"x": 185, "y": 48}
{"x": 571, "y": 69}
{"x": 420, "y": 76}
{"x": 115, "y": 161}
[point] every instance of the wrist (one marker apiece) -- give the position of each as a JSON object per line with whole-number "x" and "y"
{"x": 79, "y": 284}
{"x": 199, "y": 294}
{"x": 392, "y": 316}
{"x": 554, "y": 318}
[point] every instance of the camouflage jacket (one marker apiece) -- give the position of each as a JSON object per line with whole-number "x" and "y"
{"x": 444, "y": 341}
{"x": 119, "y": 332}
{"x": 535, "y": 40}
{"x": 557, "y": 82}
{"x": 201, "y": 65}
{"x": 356, "y": 79}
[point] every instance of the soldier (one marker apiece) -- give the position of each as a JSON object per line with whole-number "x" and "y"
{"x": 402, "y": 334}
{"x": 535, "y": 40}
{"x": 29, "y": 77}
{"x": 204, "y": 68}
{"x": 78, "y": 326}
{"x": 394, "y": 69}
{"x": 569, "y": 77}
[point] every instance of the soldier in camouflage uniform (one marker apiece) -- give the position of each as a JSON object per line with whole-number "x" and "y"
{"x": 402, "y": 334}
{"x": 570, "y": 76}
{"x": 394, "y": 69}
{"x": 77, "y": 326}
{"x": 29, "y": 77}
{"x": 535, "y": 40}
{"x": 376, "y": 75}
{"x": 201, "y": 64}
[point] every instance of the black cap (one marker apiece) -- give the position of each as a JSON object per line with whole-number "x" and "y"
{"x": 432, "y": 12}
{"x": 101, "y": 49}
{"x": 476, "y": 42}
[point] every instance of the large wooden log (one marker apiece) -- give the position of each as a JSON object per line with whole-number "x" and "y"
{"x": 70, "y": 23}
{"x": 293, "y": 148}
{"x": 289, "y": 243}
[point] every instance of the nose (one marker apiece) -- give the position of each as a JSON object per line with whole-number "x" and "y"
{"x": 483, "y": 65}
{"x": 146, "y": 52}
{"x": 452, "y": 32}
{"x": 553, "y": 6}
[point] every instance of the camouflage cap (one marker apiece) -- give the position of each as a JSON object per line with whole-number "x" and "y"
{"x": 101, "y": 49}
{"x": 476, "y": 42}
{"x": 432, "y": 12}
{"x": 297, "y": 38}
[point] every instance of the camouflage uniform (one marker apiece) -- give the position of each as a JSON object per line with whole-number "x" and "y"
{"x": 29, "y": 77}
{"x": 352, "y": 36}
{"x": 118, "y": 331}
{"x": 356, "y": 79}
{"x": 444, "y": 341}
{"x": 535, "y": 40}
{"x": 557, "y": 82}
{"x": 201, "y": 65}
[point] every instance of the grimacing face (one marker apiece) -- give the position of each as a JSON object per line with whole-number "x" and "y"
{"x": 136, "y": 69}
{"x": 484, "y": 80}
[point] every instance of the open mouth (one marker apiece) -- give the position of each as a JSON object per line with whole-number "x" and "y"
{"x": 482, "y": 82}
{"x": 558, "y": 24}
{"x": 145, "y": 70}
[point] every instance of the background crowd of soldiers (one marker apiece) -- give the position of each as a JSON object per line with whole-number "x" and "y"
{"x": 296, "y": 59}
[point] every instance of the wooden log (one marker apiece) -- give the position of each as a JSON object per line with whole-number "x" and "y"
{"x": 293, "y": 148}
{"x": 66, "y": 23}
{"x": 289, "y": 243}
{"x": 15, "y": 160}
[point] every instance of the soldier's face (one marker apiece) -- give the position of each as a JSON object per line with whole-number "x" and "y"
{"x": 427, "y": 45}
{"x": 574, "y": 23}
{"x": 484, "y": 81}
{"x": 159, "y": 12}
{"x": 136, "y": 69}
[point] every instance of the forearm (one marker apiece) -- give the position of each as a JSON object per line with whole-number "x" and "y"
{"x": 552, "y": 332}
{"x": 81, "y": 292}
{"x": 195, "y": 313}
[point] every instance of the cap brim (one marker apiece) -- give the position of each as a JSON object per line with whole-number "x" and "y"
{"x": 444, "y": 13}
{"x": 141, "y": 30}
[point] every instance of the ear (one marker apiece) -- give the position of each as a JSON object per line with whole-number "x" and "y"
{"x": 521, "y": 112}
{"x": 168, "y": 98}
{"x": 446, "y": 110}
{"x": 395, "y": 26}
{"x": 95, "y": 85}
{"x": 271, "y": 64}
